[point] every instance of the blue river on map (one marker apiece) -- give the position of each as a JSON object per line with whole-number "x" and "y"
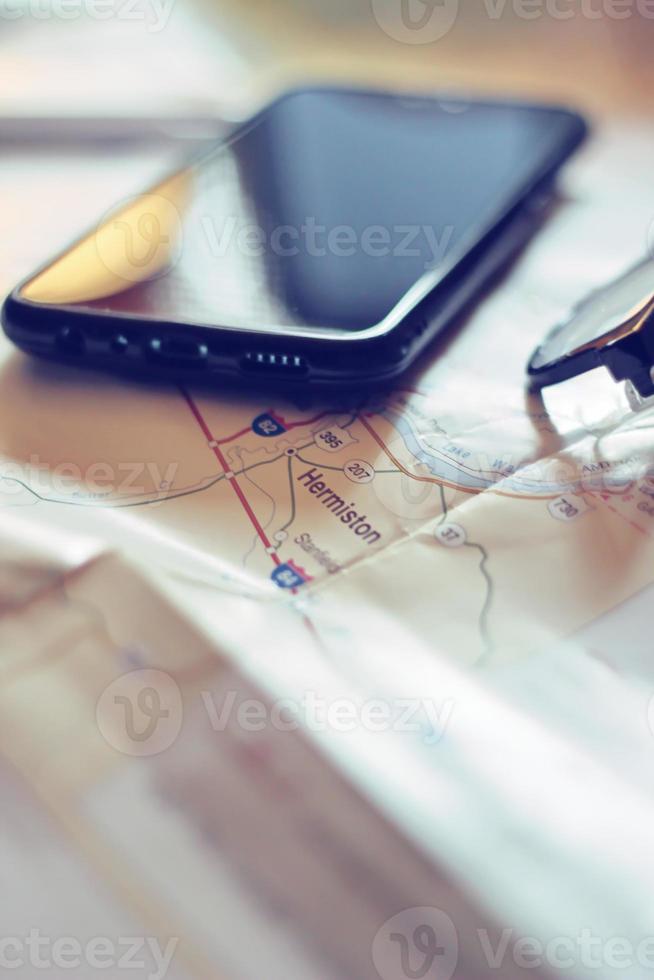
{"x": 444, "y": 470}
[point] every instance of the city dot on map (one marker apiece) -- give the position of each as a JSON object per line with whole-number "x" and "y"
{"x": 280, "y": 535}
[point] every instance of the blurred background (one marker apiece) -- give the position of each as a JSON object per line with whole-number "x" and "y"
{"x": 169, "y": 57}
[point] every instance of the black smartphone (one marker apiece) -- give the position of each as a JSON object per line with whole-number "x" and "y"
{"x": 327, "y": 240}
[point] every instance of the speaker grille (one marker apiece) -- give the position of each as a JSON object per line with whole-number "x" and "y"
{"x": 273, "y": 363}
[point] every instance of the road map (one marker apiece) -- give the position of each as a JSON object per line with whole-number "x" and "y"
{"x": 273, "y": 498}
{"x": 451, "y": 534}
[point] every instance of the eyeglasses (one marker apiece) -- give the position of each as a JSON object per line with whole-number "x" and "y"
{"x": 614, "y": 328}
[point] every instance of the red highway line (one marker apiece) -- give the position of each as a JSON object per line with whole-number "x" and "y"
{"x": 237, "y": 435}
{"x": 206, "y": 431}
{"x": 233, "y": 481}
{"x": 294, "y": 425}
{"x": 280, "y": 418}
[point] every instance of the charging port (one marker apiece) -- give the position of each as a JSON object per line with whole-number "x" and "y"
{"x": 180, "y": 351}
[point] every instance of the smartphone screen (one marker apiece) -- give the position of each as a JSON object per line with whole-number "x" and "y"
{"x": 324, "y": 212}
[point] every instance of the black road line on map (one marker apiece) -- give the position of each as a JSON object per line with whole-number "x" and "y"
{"x": 485, "y": 609}
{"x": 337, "y": 469}
{"x": 490, "y": 588}
{"x": 256, "y": 539}
{"x": 151, "y": 501}
{"x": 291, "y": 487}
{"x": 444, "y": 505}
{"x": 322, "y": 466}
{"x": 98, "y": 505}
{"x": 156, "y": 500}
